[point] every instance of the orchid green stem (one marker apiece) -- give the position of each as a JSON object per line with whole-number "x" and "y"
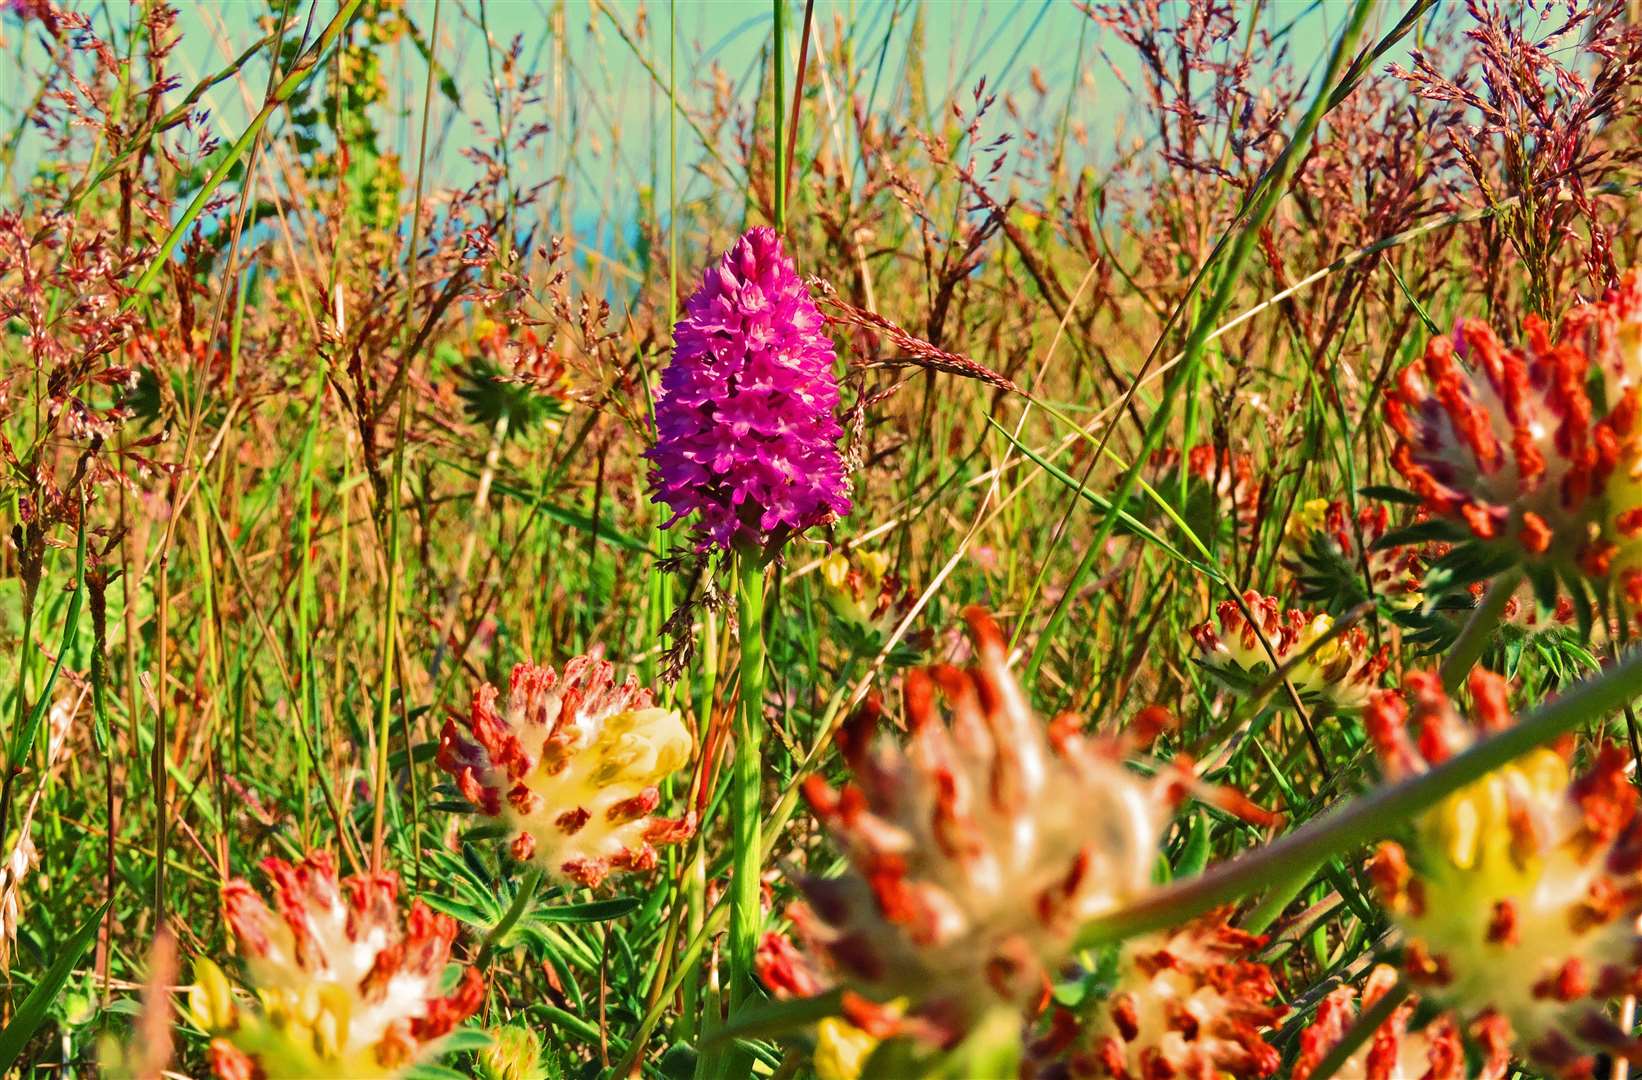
{"x": 778, "y": 58}
{"x": 746, "y": 825}
{"x": 1371, "y": 816}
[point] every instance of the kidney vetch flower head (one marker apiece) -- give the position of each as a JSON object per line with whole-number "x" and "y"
{"x": 1518, "y": 895}
{"x": 1535, "y": 453}
{"x": 1342, "y": 672}
{"x": 747, "y": 432}
{"x": 1221, "y": 485}
{"x": 1394, "y": 1051}
{"x": 342, "y": 985}
{"x": 976, "y": 851}
{"x": 1338, "y": 562}
{"x": 1189, "y": 1002}
{"x": 572, "y": 763}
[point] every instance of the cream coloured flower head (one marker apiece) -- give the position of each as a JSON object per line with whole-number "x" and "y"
{"x": 573, "y": 765}
{"x": 342, "y": 986}
{"x": 1518, "y": 895}
{"x": 1342, "y": 672}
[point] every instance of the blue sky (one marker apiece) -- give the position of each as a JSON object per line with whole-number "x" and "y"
{"x": 610, "y": 90}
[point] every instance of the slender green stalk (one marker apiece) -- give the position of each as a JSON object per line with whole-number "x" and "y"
{"x": 1473, "y": 639}
{"x": 778, "y": 58}
{"x": 1371, "y": 816}
{"x": 1276, "y": 899}
{"x": 521, "y": 900}
{"x": 747, "y": 852}
{"x": 390, "y": 633}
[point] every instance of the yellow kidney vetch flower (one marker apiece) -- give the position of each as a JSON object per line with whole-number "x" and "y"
{"x": 841, "y": 1049}
{"x": 340, "y": 984}
{"x": 1343, "y": 671}
{"x": 1519, "y": 894}
{"x": 573, "y": 764}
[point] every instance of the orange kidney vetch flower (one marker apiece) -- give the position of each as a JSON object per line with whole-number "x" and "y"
{"x": 572, "y": 763}
{"x": 1186, "y": 1002}
{"x": 341, "y": 985}
{"x": 1393, "y": 1052}
{"x": 1343, "y": 672}
{"x": 1537, "y": 448}
{"x": 975, "y": 851}
{"x": 1518, "y": 895}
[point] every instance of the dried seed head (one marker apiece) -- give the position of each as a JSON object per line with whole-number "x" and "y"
{"x": 573, "y": 765}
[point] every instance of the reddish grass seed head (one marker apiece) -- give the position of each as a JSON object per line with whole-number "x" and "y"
{"x": 571, "y": 763}
{"x": 746, "y": 426}
{"x": 343, "y": 985}
{"x": 1518, "y": 895}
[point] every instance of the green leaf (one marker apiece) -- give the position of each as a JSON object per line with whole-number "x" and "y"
{"x": 428, "y": 1071}
{"x": 573, "y": 518}
{"x": 774, "y": 1018}
{"x": 1543, "y": 579}
{"x": 593, "y": 911}
{"x": 1387, "y": 493}
{"x": 1195, "y": 856}
{"x": 23, "y": 743}
{"x": 466, "y": 913}
{"x": 1421, "y": 533}
{"x": 465, "y": 1039}
{"x": 1465, "y": 565}
{"x": 32, "y": 1012}
{"x": 1583, "y": 612}
{"x": 678, "y": 1062}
